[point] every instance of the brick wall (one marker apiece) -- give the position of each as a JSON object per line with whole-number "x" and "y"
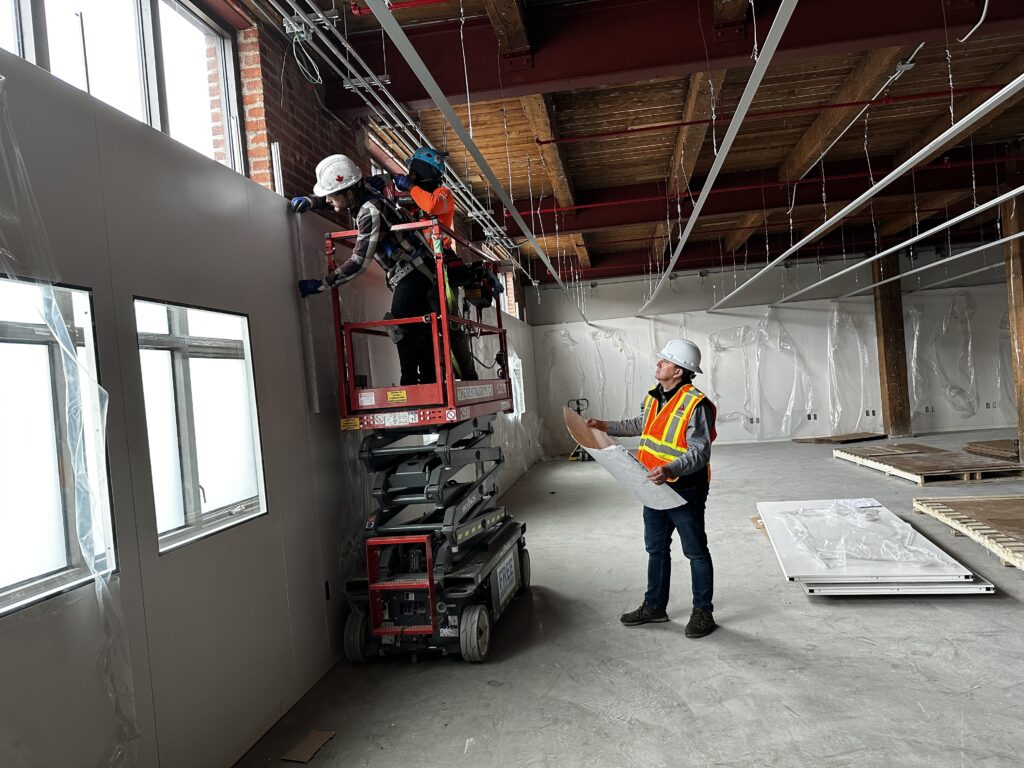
{"x": 216, "y": 100}
{"x": 287, "y": 112}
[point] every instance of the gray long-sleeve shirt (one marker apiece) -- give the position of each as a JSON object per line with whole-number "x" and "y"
{"x": 698, "y": 438}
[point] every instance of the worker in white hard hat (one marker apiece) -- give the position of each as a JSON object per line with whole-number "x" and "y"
{"x": 404, "y": 255}
{"x": 677, "y": 427}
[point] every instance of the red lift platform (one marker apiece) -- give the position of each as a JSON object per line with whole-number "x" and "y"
{"x": 448, "y": 400}
{"x": 443, "y": 560}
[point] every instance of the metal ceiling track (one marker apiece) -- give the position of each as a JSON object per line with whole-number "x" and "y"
{"x": 771, "y": 42}
{"x": 906, "y": 243}
{"x": 950, "y": 134}
{"x": 335, "y": 50}
{"x": 401, "y": 41}
{"x": 954, "y": 278}
{"x": 934, "y": 264}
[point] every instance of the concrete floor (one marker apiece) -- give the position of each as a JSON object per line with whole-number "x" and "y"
{"x": 786, "y": 680}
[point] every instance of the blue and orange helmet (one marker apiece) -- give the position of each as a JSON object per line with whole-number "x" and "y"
{"x": 430, "y": 158}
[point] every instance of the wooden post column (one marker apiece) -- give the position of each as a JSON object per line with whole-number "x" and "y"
{"x": 1012, "y": 215}
{"x": 892, "y": 349}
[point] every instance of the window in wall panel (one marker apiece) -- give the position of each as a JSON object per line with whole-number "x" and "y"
{"x": 203, "y": 429}
{"x": 95, "y": 45}
{"x": 54, "y": 498}
{"x": 198, "y": 82}
{"x": 10, "y": 32}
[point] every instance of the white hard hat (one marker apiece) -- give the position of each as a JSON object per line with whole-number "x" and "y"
{"x": 335, "y": 173}
{"x": 683, "y": 353}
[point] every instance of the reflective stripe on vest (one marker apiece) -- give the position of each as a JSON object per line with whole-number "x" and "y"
{"x": 664, "y": 435}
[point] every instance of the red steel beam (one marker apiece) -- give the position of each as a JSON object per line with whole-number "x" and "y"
{"x": 881, "y": 101}
{"x": 707, "y": 255}
{"x": 609, "y": 42}
{"x": 735, "y": 193}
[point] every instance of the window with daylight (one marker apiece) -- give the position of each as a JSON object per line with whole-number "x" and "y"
{"x": 10, "y": 26}
{"x": 112, "y": 48}
{"x": 55, "y": 526}
{"x": 204, "y": 440}
{"x": 199, "y": 83}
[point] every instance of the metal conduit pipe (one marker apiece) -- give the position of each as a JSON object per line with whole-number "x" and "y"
{"x": 394, "y": 30}
{"x": 934, "y": 264}
{"x": 403, "y": 121}
{"x": 768, "y": 113}
{"x": 770, "y": 185}
{"x": 400, "y": 124}
{"x": 358, "y": 10}
{"x": 942, "y": 139}
{"x": 909, "y": 241}
{"x": 768, "y": 48}
{"x": 954, "y": 278}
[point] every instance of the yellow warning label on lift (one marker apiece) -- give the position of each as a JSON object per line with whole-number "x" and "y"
{"x": 398, "y": 396}
{"x": 347, "y": 424}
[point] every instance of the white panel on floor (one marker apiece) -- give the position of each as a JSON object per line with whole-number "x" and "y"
{"x": 977, "y": 587}
{"x": 799, "y": 562}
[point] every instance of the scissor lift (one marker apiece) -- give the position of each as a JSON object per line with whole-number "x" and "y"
{"x": 443, "y": 560}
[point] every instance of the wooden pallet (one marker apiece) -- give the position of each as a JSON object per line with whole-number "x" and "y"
{"x": 995, "y": 522}
{"x": 931, "y": 465}
{"x": 999, "y": 449}
{"x": 852, "y": 437}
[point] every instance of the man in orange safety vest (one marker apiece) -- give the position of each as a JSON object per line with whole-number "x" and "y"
{"x": 677, "y": 427}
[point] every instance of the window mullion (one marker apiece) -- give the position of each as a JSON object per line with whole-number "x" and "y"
{"x": 152, "y": 62}
{"x": 33, "y": 19}
{"x": 185, "y": 416}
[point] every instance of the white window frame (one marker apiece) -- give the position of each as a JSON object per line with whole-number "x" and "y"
{"x": 183, "y": 348}
{"x": 31, "y": 18}
{"x": 77, "y": 572}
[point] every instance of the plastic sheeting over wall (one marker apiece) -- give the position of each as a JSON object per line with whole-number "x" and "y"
{"x": 849, "y": 365}
{"x": 25, "y": 252}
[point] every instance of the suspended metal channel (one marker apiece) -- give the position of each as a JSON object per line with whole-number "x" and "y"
{"x": 401, "y": 41}
{"x": 939, "y": 141}
{"x": 771, "y": 42}
{"x": 389, "y": 113}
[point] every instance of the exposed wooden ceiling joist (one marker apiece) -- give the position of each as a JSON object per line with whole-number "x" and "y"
{"x": 509, "y": 25}
{"x": 897, "y": 224}
{"x": 870, "y": 74}
{"x": 538, "y": 113}
{"x": 963, "y": 106}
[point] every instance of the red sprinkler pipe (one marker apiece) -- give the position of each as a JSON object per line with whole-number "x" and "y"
{"x": 770, "y": 185}
{"x": 358, "y": 10}
{"x": 883, "y": 101}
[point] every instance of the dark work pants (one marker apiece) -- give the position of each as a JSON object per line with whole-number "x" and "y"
{"x": 412, "y": 298}
{"x": 688, "y": 520}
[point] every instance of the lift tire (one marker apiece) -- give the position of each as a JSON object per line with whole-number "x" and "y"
{"x": 524, "y": 569}
{"x": 354, "y": 640}
{"x": 475, "y": 633}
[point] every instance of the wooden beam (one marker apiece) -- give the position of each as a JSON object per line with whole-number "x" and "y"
{"x": 509, "y": 25}
{"x": 690, "y": 138}
{"x": 892, "y": 351}
{"x": 863, "y": 82}
{"x": 961, "y": 107}
{"x": 538, "y": 114}
{"x": 907, "y": 220}
{"x": 1011, "y": 225}
{"x": 730, "y": 11}
{"x": 751, "y": 222}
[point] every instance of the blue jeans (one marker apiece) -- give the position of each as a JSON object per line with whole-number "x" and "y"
{"x": 689, "y": 521}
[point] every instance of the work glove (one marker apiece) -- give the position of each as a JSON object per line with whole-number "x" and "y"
{"x": 310, "y": 287}
{"x": 402, "y": 182}
{"x": 300, "y": 204}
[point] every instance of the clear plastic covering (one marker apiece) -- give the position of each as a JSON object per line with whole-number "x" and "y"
{"x": 730, "y": 373}
{"x": 612, "y": 350}
{"x": 952, "y": 357}
{"x": 915, "y": 374}
{"x": 565, "y": 382}
{"x": 1006, "y": 387}
{"x": 785, "y": 394}
{"x": 849, "y": 363}
{"x": 843, "y": 532}
{"x": 25, "y": 252}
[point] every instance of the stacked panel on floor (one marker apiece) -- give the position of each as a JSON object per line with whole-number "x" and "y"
{"x": 858, "y": 547}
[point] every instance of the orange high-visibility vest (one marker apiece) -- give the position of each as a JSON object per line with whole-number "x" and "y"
{"x": 664, "y": 437}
